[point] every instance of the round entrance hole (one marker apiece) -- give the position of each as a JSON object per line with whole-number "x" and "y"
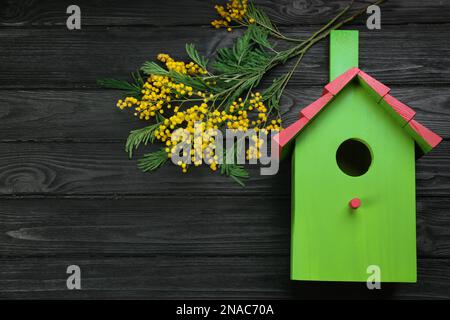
{"x": 353, "y": 157}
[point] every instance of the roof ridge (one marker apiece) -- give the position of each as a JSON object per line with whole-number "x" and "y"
{"x": 403, "y": 114}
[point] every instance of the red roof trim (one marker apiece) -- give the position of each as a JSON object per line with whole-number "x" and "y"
{"x": 402, "y": 109}
{"x": 340, "y": 82}
{"x": 290, "y": 132}
{"x": 286, "y": 135}
{"x": 424, "y": 137}
{"x": 314, "y": 108}
{"x": 428, "y": 136}
{"x": 376, "y": 85}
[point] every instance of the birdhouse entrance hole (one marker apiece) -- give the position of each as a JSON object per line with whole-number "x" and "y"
{"x": 354, "y": 157}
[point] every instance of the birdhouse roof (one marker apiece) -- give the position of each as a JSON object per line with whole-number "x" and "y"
{"x": 404, "y": 115}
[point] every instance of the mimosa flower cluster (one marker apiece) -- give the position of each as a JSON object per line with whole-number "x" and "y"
{"x": 177, "y": 106}
{"x": 234, "y": 11}
{"x": 194, "y": 102}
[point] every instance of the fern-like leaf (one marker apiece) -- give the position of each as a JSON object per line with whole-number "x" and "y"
{"x": 152, "y": 161}
{"x": 195, "y": 56}
{"x": 249, "y": 54}
{"x": 260, "y": 17}
{"x": 196, "y": 83}
{"x": 234, "y": 171}
{"x": 150, "y": 67}
{"x": 130, "y": 89}
{"x": 260, "y": 36}
{"x": 140, "y": 136}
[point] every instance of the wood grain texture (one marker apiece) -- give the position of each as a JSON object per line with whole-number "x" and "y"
{"x": 21, "y": 13}
{"x": 191, "y": 226}
{"x": 69, "y": 195}
{"x": 85, "y": 168}
{"x": 104, "y": 169}
{"x": 199, "y": 277}
{"x": 91, "y": 115}
{"x": 63, "y": 59}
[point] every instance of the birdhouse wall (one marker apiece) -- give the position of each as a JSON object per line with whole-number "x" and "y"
{"x": 331, "y": 241}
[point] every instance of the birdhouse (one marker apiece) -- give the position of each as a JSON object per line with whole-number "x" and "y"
{"x": 353, "y": 176}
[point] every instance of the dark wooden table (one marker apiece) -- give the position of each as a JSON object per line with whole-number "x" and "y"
{"x": 69, "y": 194}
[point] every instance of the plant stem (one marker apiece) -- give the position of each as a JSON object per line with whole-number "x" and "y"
{"x": 303, "y": 47}
{"x": 273, "y": 32}
{"x": 299, "y": 50}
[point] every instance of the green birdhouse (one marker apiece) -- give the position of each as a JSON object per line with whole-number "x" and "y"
{"x": 353, "y": 177}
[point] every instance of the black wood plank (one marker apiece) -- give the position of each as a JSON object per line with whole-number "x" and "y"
{"x": 104, "y": 169}
{"x": 20, "y": 13}
{"x": 199, "y": 277}
{"x": 194, "y": 226}
{"x": 85, "y": 168}
{"x": 166, "y": 234}
{"x": 91, "y": 115}
{"x": 61, "y": 115}
{"x": 57, "y": 58}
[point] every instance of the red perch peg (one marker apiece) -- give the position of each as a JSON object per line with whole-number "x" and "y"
{"x": 355, "y": 203}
